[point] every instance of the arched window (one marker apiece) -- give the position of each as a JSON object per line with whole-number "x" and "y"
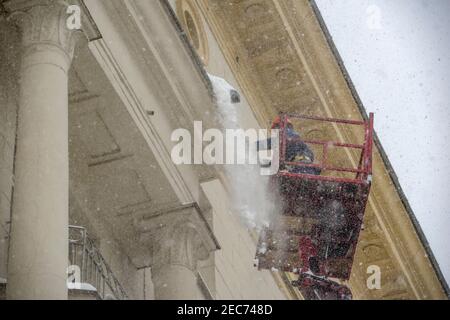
{"x": 193, "y": 25}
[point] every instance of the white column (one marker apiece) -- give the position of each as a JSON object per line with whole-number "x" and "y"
{"x": 179, "y": 240}
{"x": 174, "y": 270}
{"x": 39, "y": 232}
{"x": 173, "y": 282}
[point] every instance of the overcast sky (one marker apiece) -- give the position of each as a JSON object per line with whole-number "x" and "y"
{"x": 397, "y": 54}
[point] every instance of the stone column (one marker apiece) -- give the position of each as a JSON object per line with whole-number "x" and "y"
{"x": 179, "y": 240}
{"x": 38, "y": 253}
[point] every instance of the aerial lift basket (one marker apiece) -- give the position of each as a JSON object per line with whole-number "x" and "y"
{"x": 316, "y": 231}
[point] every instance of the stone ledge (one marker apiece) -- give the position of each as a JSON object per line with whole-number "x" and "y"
{"x": 77, "y": 294}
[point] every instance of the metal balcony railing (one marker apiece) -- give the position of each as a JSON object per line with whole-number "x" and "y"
{"x": 93, "y": 268}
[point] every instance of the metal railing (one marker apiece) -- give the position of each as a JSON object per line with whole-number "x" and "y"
{"x": 92, "y": 266}
{"x": 363, "y": 171}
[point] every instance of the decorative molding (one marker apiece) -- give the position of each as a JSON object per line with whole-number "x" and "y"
{"x": 156, "y": 78}
{"x": 44, "y": 26}
{"x": 189, "y": 16}
{"x": 3, "y": 12}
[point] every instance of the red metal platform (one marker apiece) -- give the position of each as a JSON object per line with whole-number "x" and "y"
{"x": 317, "y": 228}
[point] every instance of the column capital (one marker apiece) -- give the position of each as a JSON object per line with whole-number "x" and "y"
{"x": 44, "y": 28}
{"x": 180, "y": 236}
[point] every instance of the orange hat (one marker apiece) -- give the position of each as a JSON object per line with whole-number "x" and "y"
{"x": 277, "y": 122}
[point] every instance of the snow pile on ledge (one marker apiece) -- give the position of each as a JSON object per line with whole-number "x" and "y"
{"x": 227, "y": 110}
{"x": 251, "y": 199}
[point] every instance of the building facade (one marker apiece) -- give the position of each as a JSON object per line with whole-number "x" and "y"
{"x": 88, "y": 188}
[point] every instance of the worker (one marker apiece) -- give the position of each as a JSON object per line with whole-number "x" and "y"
{"x": 296, "y": 149}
